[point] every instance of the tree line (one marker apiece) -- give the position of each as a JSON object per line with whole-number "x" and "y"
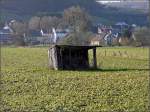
{"x": 74, "y": 18}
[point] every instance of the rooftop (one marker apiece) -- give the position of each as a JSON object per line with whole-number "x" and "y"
{"x": 75, "y": 46}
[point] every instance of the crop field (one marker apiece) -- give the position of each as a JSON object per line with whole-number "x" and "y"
{"x": 120, "y": 84}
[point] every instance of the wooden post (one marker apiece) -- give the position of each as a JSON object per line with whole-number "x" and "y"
{"x": 61, "y": 58}
{"x": 87, "y": 58}
{"x": 55, "y": 60}
{"x": 70, "y": 61}
{"x": 94, "y": 58}
{"x": 52, "y": 55}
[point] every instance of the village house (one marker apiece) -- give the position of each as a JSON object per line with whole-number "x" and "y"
{"x": 33, "y": 37}
{"x": 6, "y": 35}
{"x": 106, "y": 35}
{"x": 54, "y": 36}
{"x": 98, "y": 39}
{"x": 44, "y": 37}
{"x": 112, "y": 35}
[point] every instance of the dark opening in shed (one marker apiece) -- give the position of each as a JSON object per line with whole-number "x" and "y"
{"x": 71, "y": 57}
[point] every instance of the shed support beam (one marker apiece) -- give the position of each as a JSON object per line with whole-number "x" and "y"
{"x": 94, "y": 58}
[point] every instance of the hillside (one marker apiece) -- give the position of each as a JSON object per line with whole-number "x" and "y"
{"x": 24, "y": 9}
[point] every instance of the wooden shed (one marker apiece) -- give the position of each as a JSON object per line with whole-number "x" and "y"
{"x": 71, "y": 57}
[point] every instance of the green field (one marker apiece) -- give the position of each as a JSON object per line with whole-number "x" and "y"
{"x": 119, "y": 85}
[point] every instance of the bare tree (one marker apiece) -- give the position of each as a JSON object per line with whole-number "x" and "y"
{"x": 19, "y": 31}
{"x": 55, "y": 22}
{"x": 77, "y": 18}
{"x": 48, "y": 22}
{"x": 34, "y": 23}
{"x": 142, "y": 36}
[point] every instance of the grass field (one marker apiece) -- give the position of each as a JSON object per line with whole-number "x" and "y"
{"x": 120, "y": 85}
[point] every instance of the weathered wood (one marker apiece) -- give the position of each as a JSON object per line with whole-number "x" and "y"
{"x": 52, "y": 55}
{"x": 49, "y": 59}
{"x": 61, "y": 59}
{"x": 94, "y": 58}
{"x": 70, "y": 57}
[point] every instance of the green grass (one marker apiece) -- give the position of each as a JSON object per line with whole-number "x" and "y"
{"x": 27, "y": 84}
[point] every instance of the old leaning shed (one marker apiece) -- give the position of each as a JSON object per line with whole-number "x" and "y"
{"x": 70, "y": 57}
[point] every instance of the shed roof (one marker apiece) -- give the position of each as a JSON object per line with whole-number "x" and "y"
{"x": 75, "y": 46}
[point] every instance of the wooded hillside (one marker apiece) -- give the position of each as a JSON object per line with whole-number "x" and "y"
{"x": 24, "y": 9}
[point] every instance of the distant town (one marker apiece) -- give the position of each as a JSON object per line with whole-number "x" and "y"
{"x": 103, "y": 34}
{"x": 73, "y": 27}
